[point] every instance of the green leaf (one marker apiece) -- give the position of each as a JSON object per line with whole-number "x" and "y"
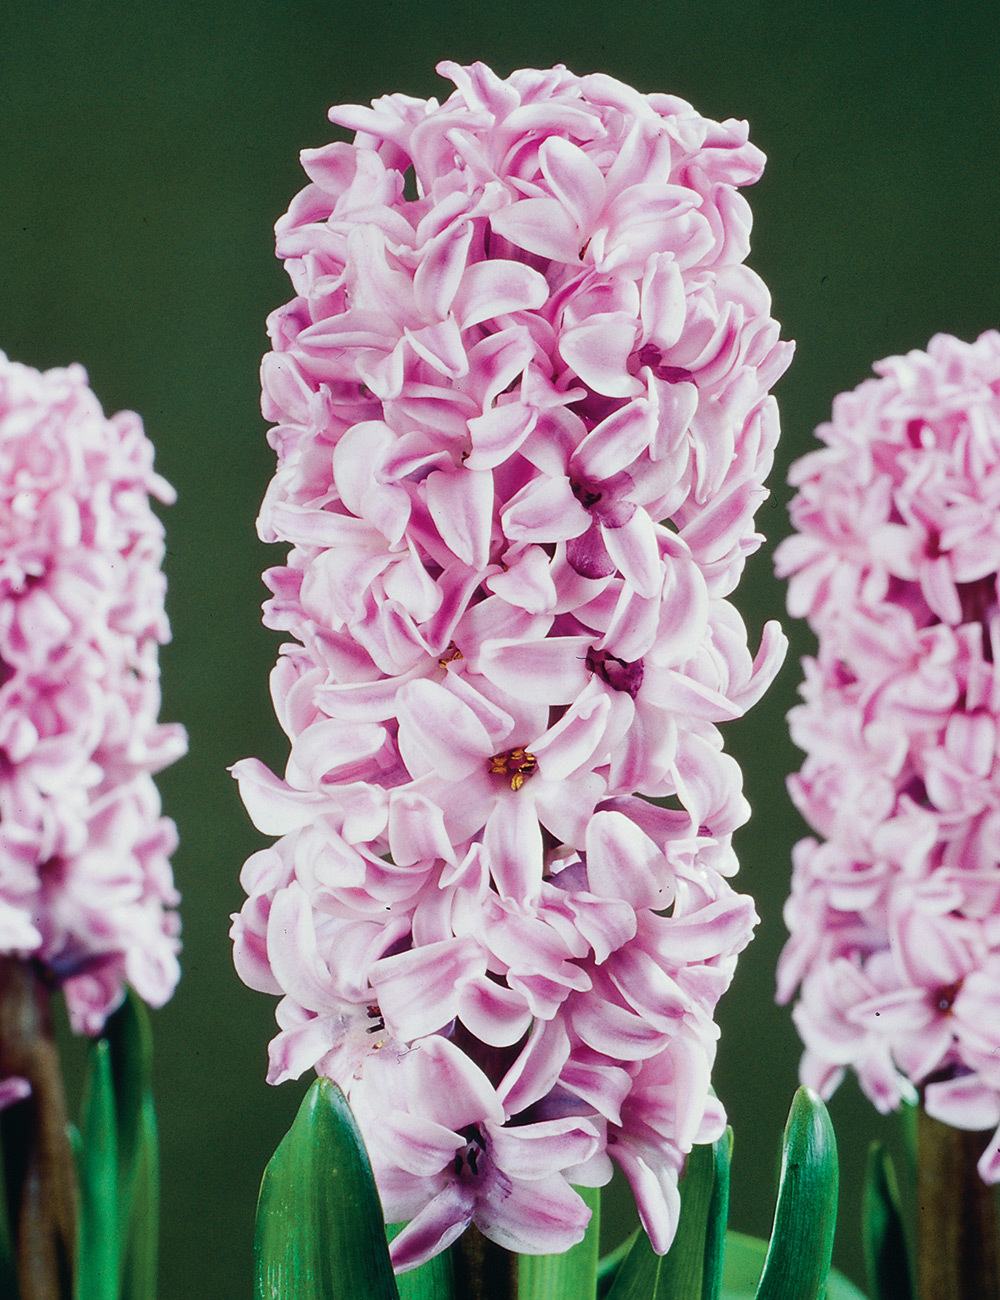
{"x": 681, "y": 1271}
{"x": 141, "y": 1248}
{"x": 718, "y": 1216}
{"x": 434, "y": 1280}
{"x": 97, "y": 1168}
{"x": 320, "y": 1232}
{"x": 570, "y": 1276}
{"x": 131, "y": 1043}
{"x": 8, "y": 1265}
{"x": 608, "y": 1265}
{"x": 886, "y": 1260}
{"x": 638, "y": 1273}
{"x": 798, "y": 1256}
{"x": 908, "y": 1115}
{"x": 744, "y": 1261}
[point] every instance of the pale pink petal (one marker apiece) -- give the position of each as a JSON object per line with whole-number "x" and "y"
{"x": 598, "y": 351}
{"x": 497, "y": 287}
{"x": 553, "y": 670}
{"x": 623, "y": 862}
{"x": 440, "y": 270}
{"x": 461, "y": 505}
{"x": 439, "y": 732}
{"x": 574, "y": 179}
{"x": 273, "y": 806}
{"x": 636, "y": 553}
{"x": 513, "y": 841}
{"x": 541, "y": 226}
{"x": 13, "y": 1089}
{"x": 542, "y": 1215}
{"x": 440, "y": 1223}
{"x": 418, "y": 991}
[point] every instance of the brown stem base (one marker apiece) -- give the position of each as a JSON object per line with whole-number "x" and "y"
{"x": 958, "y": 1236}
{"x": 38, "y": 1160}
{"x": 483, "y": 1270}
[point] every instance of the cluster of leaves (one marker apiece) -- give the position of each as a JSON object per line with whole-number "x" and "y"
{"x": 117, "y": 1165}
{"x": 320, "y": 1235}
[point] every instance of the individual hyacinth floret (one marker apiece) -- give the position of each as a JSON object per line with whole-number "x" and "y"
{"x": 85, "y": 885}
{"x": 895, "y": 913}
{"x": 523, "y": 424}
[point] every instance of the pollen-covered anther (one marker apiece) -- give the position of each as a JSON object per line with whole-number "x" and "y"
{"x": 516, "y": 763}
{"x": 450, "y": 655}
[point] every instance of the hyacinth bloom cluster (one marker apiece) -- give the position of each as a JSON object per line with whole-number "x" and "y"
{"x": 895, "y": 914}
{"x": 85, "y": 885}
{"x": 523, "y": 423}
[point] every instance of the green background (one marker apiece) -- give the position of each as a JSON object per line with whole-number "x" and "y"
{"x": 145, "y": 152}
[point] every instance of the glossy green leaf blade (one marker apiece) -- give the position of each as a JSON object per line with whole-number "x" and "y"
{"x": 98, "y": 1243}
{"x": 744, "y": 1261}
{"x": 131, "y": 1043}
{"x": 718, "y": 1217}
{"x": 638, "y": 1273}
{"x": 798, "y": 1256}
{"x": 320, "y": 1233}
{"x": 571, "y": 1275}
{"x": 681, "y": 1271}
{"x": 434, "y": 1280}
{"x": 886, "y": 1260}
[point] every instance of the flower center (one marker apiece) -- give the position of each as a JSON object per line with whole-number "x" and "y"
{"x": 945, "y": 997}
{"x": 514, "y": 763}
{"x": 450, "y": 655}
{"x": 587, "y": 496}
{"x": 468, "y": 1157}
{"x": 651, "y": 356}
{"x": 620, "y": 674}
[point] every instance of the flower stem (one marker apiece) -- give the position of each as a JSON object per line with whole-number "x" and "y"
{"x": 958, "y": 1256}
{"x": 37, "y": 1157}
{"x": 483, "y": 1270}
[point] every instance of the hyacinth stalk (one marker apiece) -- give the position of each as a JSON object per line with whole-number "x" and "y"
{"x": 894, "y": 914}
{"x": 86, "y": 896}
{"x": 522, "y": 424}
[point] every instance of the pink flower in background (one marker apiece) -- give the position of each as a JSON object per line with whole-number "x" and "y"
{"x": 522, "y": 422}
{"x": 85, "y": 883}
{"x": 895, "y": 917}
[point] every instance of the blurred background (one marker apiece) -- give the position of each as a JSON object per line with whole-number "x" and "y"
{"x": 145, "y": 153}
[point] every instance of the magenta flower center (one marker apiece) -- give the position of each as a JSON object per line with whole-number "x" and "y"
{"x": 620, "y": 674}
{"x": 650, "y": 355}
{"x": 945, "y": 997}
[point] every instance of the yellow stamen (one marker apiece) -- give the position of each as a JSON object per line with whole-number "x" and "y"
{"x": 450, "y": 655}
{"x": 516, "y": 763}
